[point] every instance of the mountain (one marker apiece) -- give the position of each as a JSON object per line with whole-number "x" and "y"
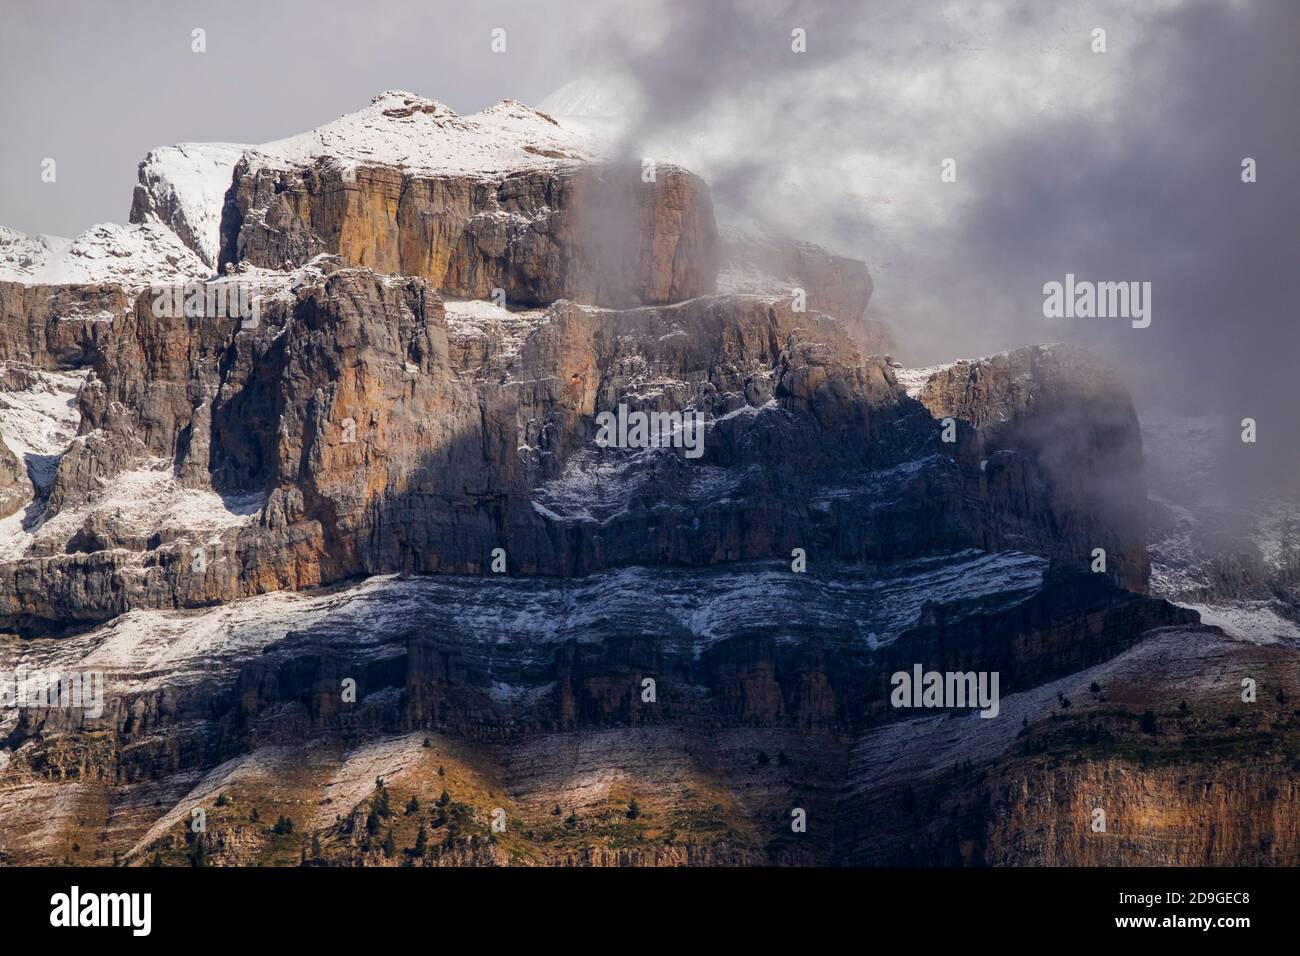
{"x": 375, "y": 535}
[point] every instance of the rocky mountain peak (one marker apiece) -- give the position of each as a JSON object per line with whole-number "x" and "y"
{"x": 455, "y": 304}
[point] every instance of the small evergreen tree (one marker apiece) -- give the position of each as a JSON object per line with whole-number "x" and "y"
{"x": 222, "y": 800}
{"x": 390, "y": 845}
{"x": 421, "y": 841}
{"x": 633, "y": 809}
{"x": 1148, "y": 722}
{"x": 412, "y": 805}
{"x": 444, "y": 798}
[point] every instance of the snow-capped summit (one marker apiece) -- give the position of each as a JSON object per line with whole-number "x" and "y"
{"x": 184, "y": 186}
{"x": 133, "y": 256}
{"x": 420, "y": 134}
{"x": 176, "y": 212}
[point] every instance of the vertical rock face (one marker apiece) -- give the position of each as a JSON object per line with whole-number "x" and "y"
{"x": 57, "y": 326}
{"x": 384, "y": 435}
{"x": 836, "y": 285}
{"x": 1061, "y": 449}
{"x": 593, "y": 233}
{"x": 1149, "y": 757}
{"x": 184, "y": 188}
{"x": 15, "y": 488}
{"x": 541, "y": 681}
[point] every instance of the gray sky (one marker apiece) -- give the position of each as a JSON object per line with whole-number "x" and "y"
{"x": 96, "y": 85}
{"x": 1123, "y": 165}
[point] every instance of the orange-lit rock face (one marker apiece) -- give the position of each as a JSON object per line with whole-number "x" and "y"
{"x": 597, "y": 234}
{"x": 57, "y": 326}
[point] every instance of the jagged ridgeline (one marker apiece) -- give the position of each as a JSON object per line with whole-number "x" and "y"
{"x": 369, "y": 533}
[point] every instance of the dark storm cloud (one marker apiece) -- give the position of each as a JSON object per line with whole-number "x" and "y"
{"x": 1155, "y": 193}
{"x": 1139, "y": 182}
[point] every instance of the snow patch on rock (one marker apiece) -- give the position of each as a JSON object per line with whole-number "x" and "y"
{"x": 185, "y": 186}
{"x": 134, "y": 257}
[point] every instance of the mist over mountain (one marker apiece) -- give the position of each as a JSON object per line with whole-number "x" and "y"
{"x": 1123, "y": 165}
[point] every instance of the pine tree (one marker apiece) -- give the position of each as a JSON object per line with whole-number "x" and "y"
{"x": 633, "y": 809}
{"x": 444, "y": 798}
{"x": 390, "y": 845}
{"x": 421, "y": 841}
{"x": 412, "y": 805}
{"x": 1148, "y": 722}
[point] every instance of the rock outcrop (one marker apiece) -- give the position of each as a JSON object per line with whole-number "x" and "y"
{"x": 1056, "y": 432}
{"x": 835, "y": 285}
{"x": 57, "y": 327}
{"x": 15, "y": 489}
{"x": 545, "y": 681}
{"x": 594, "y": 233}
{"x": 381, "y": 437}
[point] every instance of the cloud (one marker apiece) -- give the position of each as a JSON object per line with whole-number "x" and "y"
{"x": 1122, "y": 165}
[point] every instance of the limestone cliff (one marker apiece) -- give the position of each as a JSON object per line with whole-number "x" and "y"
{"x": 361, "y": 579}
